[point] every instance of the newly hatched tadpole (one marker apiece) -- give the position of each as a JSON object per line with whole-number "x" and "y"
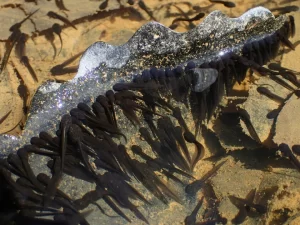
{"x": 130, "y": 2}
{"x": 189, "y": 137}
{"x": 225, "y": 3}
{"x": 14, "y": 164}
{"x": 286, "y": 9}
{"x": 103, "y": 100}
{"x": 142, "y": 5}
{"x": 296, "y": 149}
{"x": 75, "y": 134}
{"x": 50, "y": 37}
{"x": 57, "y": 29}
{"x": 286, "y": 151}
{"x": 197, "y": 17}
{"x": 111, "y": 100}
{"x": 37, "y": 150}
{"x": 244, "y": 115}
{"x": 60, "y": 4}
{"x": 191, "y": 219}
{"x": 20, "y": 46}
{"x": 297, "y": 93}
{"x": 24, "y": 156}
{"x": 273, "y": 114}
{"x": 195, "y": 186}
{"x": 53, "y": 183}
{"x": 103, "y": 5}
{"x": 54, "y": 15}
{"x": 245, "y": 205}
{"x": 18, "y": 25}
{"x": 65, "y": 124}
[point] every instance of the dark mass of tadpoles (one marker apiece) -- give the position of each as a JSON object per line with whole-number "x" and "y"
{"x": 87, "y": 140}
{"x": 85, "y": 136}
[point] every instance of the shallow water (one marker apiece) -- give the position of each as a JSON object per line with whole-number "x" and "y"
{"x": 116, "y": 26}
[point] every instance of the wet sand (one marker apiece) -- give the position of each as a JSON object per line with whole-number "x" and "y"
{"x": 248, "y": 166}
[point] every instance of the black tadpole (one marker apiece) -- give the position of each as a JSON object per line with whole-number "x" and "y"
{"x": 244, "y": 115}
{"x": 20, "y": 46}
{"x": 286, "y": 9}
{"x": 195, "y": 186}
{"x": 191, "y": 219}
{"x": 76, "y": 136}
{"x": 23, "y": 154}
{"x": 296, "y": 149}
{"x": 197, "y": 17}
{"x": 225, "y": 3}
{"x": 189, "y": 137}
{"x": 18, "y": 25}
{"x": 61, "y": 18}
{"x": 60, "y": 4}
{"x": 57, "y": 29}
{"x": 110, "y": 95}
{"x": 177, "y": 114}
{"x": 245, "y": 205}
{"x": 142, "y": 5}
{"x": 103, "y": 5}
{"x": 130, "y": 2}
{"x": 286, "y": 151}
{"x": 273, "y": 114}
{"x": 45, "y": 179}
{"x": 14, "y": 164}
{"x": 36, "y": 150}
{"x": 53, "y": 183}
{"x": 65, "y": 124}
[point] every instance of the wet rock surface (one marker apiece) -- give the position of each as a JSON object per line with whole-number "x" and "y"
{"x": 244, "y": 170}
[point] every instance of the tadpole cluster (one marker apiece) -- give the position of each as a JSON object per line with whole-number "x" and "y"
{"x": 92, "y": 146}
